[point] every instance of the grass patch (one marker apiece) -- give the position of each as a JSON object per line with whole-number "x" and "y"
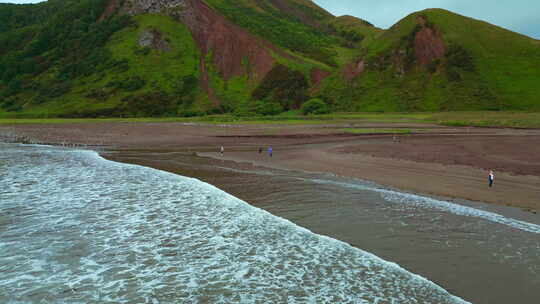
{"x": 162, "y": 69}
{"x": 478, "y": 119}
{"x": 488, "y": 119}
{"x": 290, "y": 117}
{"x": 211, "y": 119}
{"x": 376, "y": 131}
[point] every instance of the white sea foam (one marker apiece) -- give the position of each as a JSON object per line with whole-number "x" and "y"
{"x": 418, "y": 201}
{"x": 77, "y": 228}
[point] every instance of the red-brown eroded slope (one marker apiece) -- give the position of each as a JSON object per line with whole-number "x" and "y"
{"x": 428, "y": 44}
{"x": 234, "y": 51}
{"x": 353, "y": 69}
{"x": 229, "y": 44}
{"x": 318, "y": 75}
{"x": 232, "y": 48}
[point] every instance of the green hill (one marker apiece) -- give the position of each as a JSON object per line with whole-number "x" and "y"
{"x": 299, "y": 26}
{"x": 436, "y": 60}
{"x": 90, "y": 58}
{"x": 358, "y": 30}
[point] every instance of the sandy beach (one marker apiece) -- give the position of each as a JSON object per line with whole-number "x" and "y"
{"x": 435, "y": 160}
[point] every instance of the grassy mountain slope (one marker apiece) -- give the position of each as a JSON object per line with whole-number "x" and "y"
{"x": 142, "y": 82}
{"x": 357, "y": 29}
{"x": 90, "y": 58}
{"x": 474, "y": 66}
{"x": 16, "y": 16}
{"x": 95, "y": 65}
{"x": 42, "y": 57}
{"x": 296, "y": 25}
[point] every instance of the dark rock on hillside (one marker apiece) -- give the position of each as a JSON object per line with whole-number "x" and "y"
{"x": 153, "y": 39}
{"x": 137, "y": 7}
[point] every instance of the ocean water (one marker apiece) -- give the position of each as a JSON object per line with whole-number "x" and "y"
{"x": 76, "y": 228}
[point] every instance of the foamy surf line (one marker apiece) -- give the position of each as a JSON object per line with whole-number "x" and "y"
{"x": 366, "y": 254}
{"x": 142, "y": 234}
{"x": 446, "y": 206}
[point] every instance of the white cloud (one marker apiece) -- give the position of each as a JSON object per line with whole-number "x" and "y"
{"x": 21, "y": 1}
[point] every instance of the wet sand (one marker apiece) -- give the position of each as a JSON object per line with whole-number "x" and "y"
{"x": 454, "y": 181}
{"x": 435, "y": 160}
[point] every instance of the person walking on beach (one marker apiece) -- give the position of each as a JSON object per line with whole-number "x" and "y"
{"x": 270, "y": 151}
{"x": 491, "y": 177}
{"x": 221, "y": 150}
{"x": 260, "y": 150}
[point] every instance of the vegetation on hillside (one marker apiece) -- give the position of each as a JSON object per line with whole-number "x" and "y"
{"x": 59, "y": 59}
{"x": 355, "y": 30}
{"x": 315, "y": 106}
{"x": 284, "y": 86}
{"x": 168, "y": 80}
{"x": 461, "y": 119}
{"x": 17, "y": 16}
{"x": 283, "y": 29}
{"x": 42, "y": 55}
{"x": 78, "y": 67}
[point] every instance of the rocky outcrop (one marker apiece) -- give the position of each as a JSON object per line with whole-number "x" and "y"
{"x": 152, "y": 38}
{"x": 137, "y": 7}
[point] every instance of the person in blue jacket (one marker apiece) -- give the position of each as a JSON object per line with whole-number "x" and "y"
{"x": 270, "y": 151}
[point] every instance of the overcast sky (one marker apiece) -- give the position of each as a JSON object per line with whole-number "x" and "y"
{"x": 521, "y": 16}
{"x": 20, "y": 1}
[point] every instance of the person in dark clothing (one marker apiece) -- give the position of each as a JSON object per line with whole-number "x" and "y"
{"x": 491, "y": 177}
{"x": 260, "y": 150}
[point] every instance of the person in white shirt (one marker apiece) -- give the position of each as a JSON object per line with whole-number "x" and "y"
{"x": 491, "y": 177}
